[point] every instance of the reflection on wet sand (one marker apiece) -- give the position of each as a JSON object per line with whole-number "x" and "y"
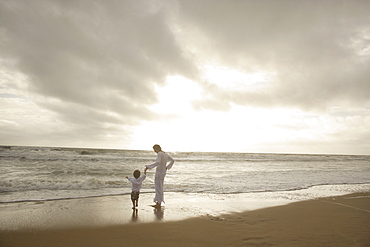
{"x": 159, "y": 213}
{"x": 134, "y": 216}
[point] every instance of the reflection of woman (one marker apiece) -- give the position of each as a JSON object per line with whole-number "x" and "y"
{"x": 162, "y": 167}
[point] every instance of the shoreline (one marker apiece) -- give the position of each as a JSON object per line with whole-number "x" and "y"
{"x": 104, "y": 211}
{"x": 151, "y": 192}
{"x": 342, "y": 220}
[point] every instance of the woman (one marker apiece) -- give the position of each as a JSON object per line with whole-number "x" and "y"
{"x": 162, "y": 167}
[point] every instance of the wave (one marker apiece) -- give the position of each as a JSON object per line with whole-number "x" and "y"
{"x": 34, "y": 185}
{"x": 33, "y": 174}
{"x": 355, "y": 187}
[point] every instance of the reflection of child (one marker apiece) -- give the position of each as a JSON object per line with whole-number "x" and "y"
{"x": 136, "y": 186}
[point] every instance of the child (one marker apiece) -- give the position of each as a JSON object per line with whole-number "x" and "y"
{"x": 136, "y": 186}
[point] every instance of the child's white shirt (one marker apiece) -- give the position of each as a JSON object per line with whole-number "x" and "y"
{"x": 136, "y": 183}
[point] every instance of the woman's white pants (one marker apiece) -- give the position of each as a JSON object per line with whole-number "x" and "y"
{"x": 159, "y": 194}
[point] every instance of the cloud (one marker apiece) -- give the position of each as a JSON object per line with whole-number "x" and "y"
{"x": 318, "y": 52}
{"x": 106, "y": 57}
{"x": 109, "y": 56}
{"x": 91, "y": 71}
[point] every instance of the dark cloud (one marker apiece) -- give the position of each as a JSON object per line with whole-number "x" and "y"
{"x": 103, "y": 56}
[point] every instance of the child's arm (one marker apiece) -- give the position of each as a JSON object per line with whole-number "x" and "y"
{"x": 142, "y": 178}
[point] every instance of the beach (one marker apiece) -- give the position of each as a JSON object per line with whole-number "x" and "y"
{"x": 80, "y": 197}
{"x": 342, "y": 220}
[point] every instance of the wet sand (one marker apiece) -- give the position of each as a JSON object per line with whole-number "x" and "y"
{"x": 117, "y": 210}
{"x": 332, "y": 221}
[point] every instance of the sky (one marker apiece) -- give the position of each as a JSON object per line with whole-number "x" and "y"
{"x": 267, "y": 76}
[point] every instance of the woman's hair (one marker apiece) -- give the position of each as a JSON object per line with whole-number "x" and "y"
{"x": 136, "y": 173}
{"x": 156, "y": 147}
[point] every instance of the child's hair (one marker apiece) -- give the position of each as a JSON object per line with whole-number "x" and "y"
{"x": 136, "y": 173}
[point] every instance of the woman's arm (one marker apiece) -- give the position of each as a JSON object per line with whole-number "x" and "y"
{"x": 159, "y": 159}
{"x": 169, "y": 166}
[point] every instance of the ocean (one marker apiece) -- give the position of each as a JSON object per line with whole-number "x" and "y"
{"x": 47, "y": 173}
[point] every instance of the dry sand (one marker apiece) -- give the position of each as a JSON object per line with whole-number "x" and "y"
{"x": 334, "y": 221}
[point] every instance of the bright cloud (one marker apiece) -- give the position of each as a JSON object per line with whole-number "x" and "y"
{"x": 228, "y": 78}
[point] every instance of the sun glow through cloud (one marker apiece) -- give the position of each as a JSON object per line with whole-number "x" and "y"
{"x": 176, "y": 95}
{"x": 243, "y": 76}
{"x": 242, "y": 129}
